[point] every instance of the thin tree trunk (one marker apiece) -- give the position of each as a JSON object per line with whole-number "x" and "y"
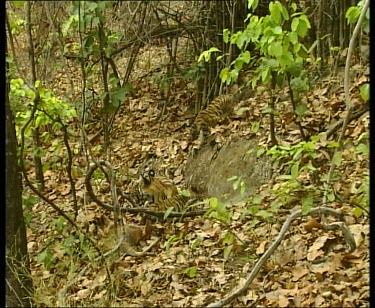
{"x": 19, "y": 288}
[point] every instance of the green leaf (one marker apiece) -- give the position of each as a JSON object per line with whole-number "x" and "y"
{"x": 275, "y": 11}
{"x": 191, "y": 272}
{"x": 18, "y": 3}
{"x": 363, "y": 148}
{"x": 243, "y": 188}
{"x": 224, "y": 74}
{"x": 365, "y": 92}
{"x": 275, "y": 49}
{"x": 294, "y": 171}
{"x": 228, "y": 238}
{"x": 226, "y": 34}
{"x": 218, "y": 58}
{"x": 207, "y": 54}
{"x": 246, "y": 56}
{"x": 301, "y": 109}
{"x": 275, "y": 205}
{"x": 277, "y": 30}
{"x": 196, "y": 242}
{"x": 255, "y": 127}
{"x": 266, "y": 74}
{"x": 232, "y": 178}
{"x": 306, "y": 21}
{"x": 46, "y": 258}
{"x": 357, "y": 212}
{"x": 252, "y": 4}
{"x": 227, "y": 251}
{"x": 95, "y": 21}
{"x": 267, "y": 110}
{"x": 285, "y": 177}
{"x": 331, "y": 197}
{"x": 88, "y": 41}
{"x": 302, "y": 29}
{"x": 312, "y": 47}
{"x": 294, "y": 69}
{"x": 337, "y": 158}
{"x": 56, "y": 126}
{"x": 352, "y": 14}
{"x": 241, "y": 39}
{"x": 264, "y": 214}
{"x": 238, "y": 63}
{"x": 168, "y": 212}
{"x": 213, "y": 202}
{"x": 260, "y": 152}
{"x": 252, "y": 210}
{"x": 284, "y": 11}
{"x": 307, "y": 204}
{"x": 118, "y": 96}
{"x": 233, "y": 76}
{"x": 257, "y": 199}
{"x": 286, "y": 59}
{"x": 295, "y": 23}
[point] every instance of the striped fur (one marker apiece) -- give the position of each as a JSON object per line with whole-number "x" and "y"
{"x": 179, "y": 203}
{"x": 216, "y": 111}
{"x": 159, "y": 189}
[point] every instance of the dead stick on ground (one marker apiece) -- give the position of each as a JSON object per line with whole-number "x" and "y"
{"x": 226, "y": 300}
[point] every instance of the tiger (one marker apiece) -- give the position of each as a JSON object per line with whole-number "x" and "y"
{"x": 216, "y": 111}
{"x": 158, "y": 188}
{"x": 178, "y": 203}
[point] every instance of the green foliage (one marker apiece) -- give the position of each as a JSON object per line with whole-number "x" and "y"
{"x": 238, "y": 183}
{"x": 219, "y": 211}
{"x": 255, "y": 210}
{"x": 28, "y": 203}
{"x": 197, "y": 242}
{"x": 49, "y": 108}
{"x": 46, "y": 258}
{"x": 168, "y": 212}
{"x": 50, "y": 115}
{"x": 63, "y": 255}
{"x": 196, "y": 72}
{"x": 191, "y": 272}
{"x": 16, "y": 25}
{"x": 18, "y": 3}
{"x": 360, "y": 196}
{"x": 278, "y": 37}
{"x": 97, "y": 42}
{"x": 353, "y": 13}
{"x": 207, "y": 54}
{"x": 365, "y": 92}
{"x": 162, "y": 80}
{"x": 297, "y": 186}
{"x": 173, "y": 239}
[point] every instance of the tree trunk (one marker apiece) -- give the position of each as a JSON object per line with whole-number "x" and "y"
{"x": 19, "y": 288}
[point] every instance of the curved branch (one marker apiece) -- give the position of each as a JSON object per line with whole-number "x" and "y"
{"x": 132, "y": 210}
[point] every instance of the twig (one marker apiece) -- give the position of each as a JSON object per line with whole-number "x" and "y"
{"x": 226, "y": 300}
{"x": 354, "y": 116}
{"x": 348, "y": 103}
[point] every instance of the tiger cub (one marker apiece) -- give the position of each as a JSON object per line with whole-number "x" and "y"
{"x": 159, "y": 189}
{"x": 216, "y": 111}
{"x": 179, "y": 204}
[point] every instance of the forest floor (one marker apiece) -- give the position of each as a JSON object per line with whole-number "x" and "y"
{"x": 200, "y": 260}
